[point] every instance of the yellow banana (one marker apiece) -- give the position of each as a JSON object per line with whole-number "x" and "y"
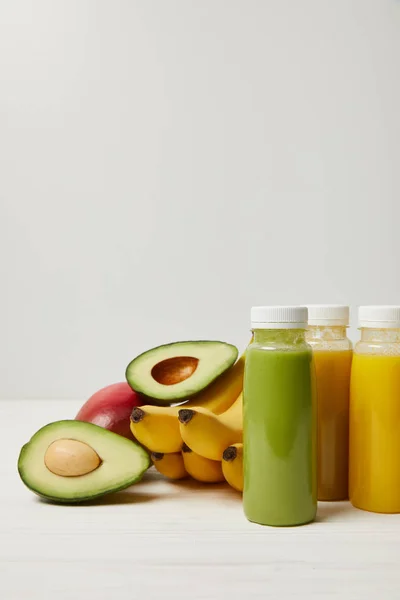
{"x": 232, "y": 466}
{"x": 200, "y": 468}
{"x": 209, "y": 434}
{"x": 170, "y": 465}
{"x": 222, "y": 393}
{"x": 157, "y": 427}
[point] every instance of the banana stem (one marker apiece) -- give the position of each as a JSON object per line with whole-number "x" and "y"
{"x": 157, "y": 456}
{"x": 230, "y": 454}
{"x": 185, "y": 415}
{"x": 137, "y": 415}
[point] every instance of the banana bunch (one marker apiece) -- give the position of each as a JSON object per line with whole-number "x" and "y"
{"x": 202, "y": 438}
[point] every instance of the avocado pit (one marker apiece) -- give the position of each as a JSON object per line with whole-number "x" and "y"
{"x": 71, "y": 458}
{"x": 174, "y": 370}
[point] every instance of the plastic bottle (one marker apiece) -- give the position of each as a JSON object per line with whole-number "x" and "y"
{"x": 374, "y": 476}
{"x": 332, "y": 350}
{"x": 279, "y": 421}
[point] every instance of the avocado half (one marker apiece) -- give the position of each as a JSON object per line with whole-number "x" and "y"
{"x": 178, "y": 371}
{"x": 72, "y": 461}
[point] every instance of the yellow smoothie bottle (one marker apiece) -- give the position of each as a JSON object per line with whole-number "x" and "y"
{"x": 374, "y": 475}
{"x": 332, "y": 349}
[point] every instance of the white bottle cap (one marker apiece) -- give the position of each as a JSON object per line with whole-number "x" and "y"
{"x": 279, "y": 317}
{"x": 328, "y": 314}
{"x": 379, "y": 317}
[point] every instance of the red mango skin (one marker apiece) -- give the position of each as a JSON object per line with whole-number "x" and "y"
{"x": 111, "y": 408}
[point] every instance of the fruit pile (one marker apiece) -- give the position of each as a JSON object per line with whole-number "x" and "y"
{"x": 180, "y": 410}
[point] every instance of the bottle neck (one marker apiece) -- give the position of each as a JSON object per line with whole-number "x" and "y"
{"x": 327, "y": 333}
{"x": 287, "y": 336}
{"x": 380, "y": 335}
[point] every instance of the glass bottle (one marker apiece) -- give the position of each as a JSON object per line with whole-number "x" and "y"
{"x": 374, "y": 476}
{"x": 332, "y": 350}
{"x": 279, "y": 421}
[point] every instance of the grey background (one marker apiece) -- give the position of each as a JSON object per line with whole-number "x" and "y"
{"x": 166, "y": 164}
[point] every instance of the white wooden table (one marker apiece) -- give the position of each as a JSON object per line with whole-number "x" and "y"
{"x": 181, "y": 541}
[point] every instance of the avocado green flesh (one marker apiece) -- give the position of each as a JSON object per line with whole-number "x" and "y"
{"x": 214, "y": 359}
{"x": 123, "y": 463}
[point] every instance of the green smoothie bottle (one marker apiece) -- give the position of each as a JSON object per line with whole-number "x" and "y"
{"x": 279, "y": 420}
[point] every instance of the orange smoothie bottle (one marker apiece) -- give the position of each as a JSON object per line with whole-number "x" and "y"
{"x": 332, "y": 358}
{"x": 374, "y": 477}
